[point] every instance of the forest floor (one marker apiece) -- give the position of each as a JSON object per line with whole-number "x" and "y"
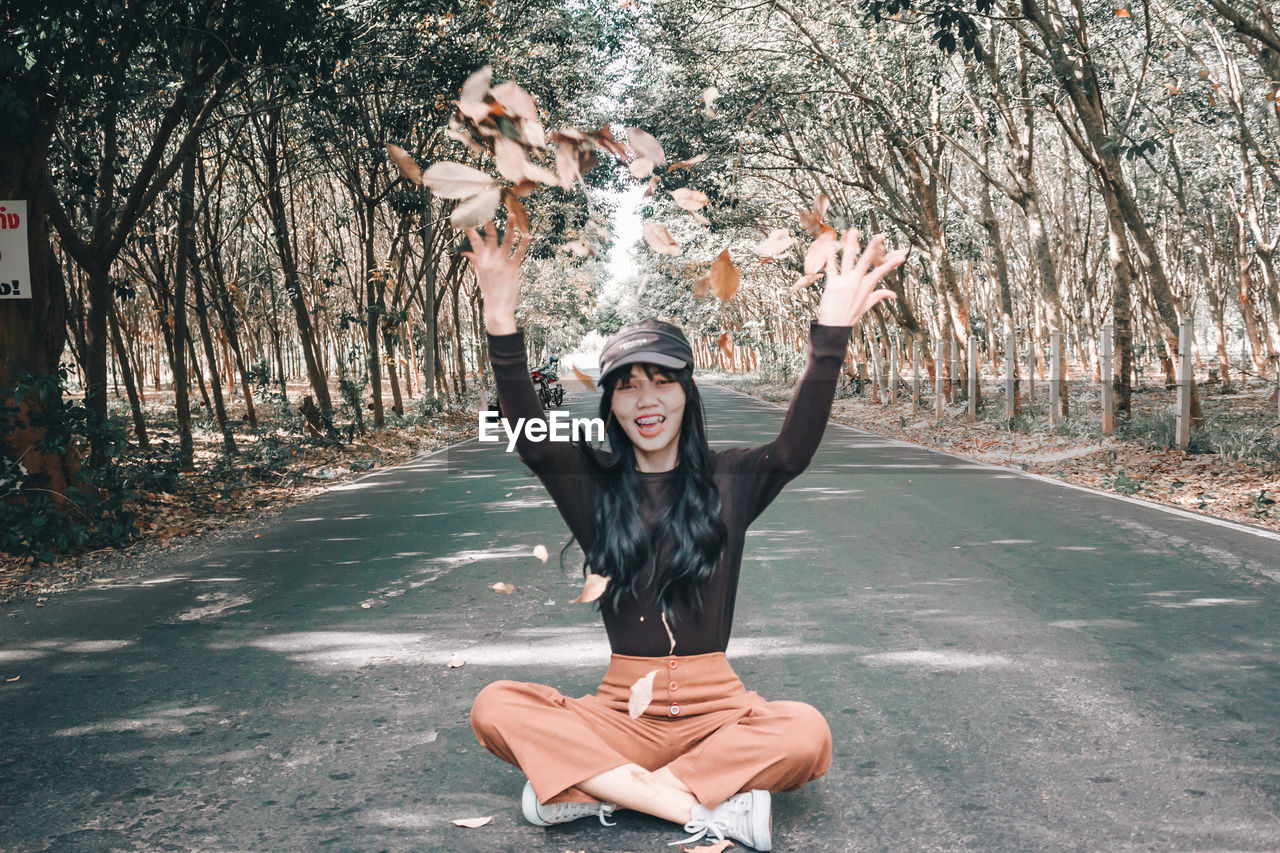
{"x": 277, "y": 465}
{"x": 1232, "y": 471}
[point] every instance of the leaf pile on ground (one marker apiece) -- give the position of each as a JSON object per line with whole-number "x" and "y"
{"x": 1231, "y": 472}
{"x": 276, "y": 466}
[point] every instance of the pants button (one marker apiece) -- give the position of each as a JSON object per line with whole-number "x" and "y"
{"x": 673, "y": 686}
{"x": 671, "y": 664}
{"x": 675, "y": 710}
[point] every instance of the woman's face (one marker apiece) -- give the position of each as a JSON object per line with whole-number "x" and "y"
{"x": 650, "y": 410}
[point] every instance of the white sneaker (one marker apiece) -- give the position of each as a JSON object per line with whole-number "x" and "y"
{"x": 743, "y": 817}
{"x": 543, "y": 815}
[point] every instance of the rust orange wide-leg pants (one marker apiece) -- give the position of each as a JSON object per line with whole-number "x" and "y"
{"x": 715, "y": 736}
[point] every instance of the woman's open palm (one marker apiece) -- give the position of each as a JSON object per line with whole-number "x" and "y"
{"x": 497, "y": 269}
{"x": 851, "y": 291}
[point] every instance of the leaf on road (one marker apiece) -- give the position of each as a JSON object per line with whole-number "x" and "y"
{"x": 455, "y": 663}
{"x": 504, "y": 588}
{"x": 660, "y": 240}
{"x": 454, "y": 180}
{"x": 472, "y": 822}
{"x": 593, "y": 588}
{"x": 540, "y": 551}
{"x": 15, "y": 678}
{"x": 646, "y": 146}
{"x": 405, "y": 165}
{"x": 717, "y": 847}
{"x": 641, "y": 695}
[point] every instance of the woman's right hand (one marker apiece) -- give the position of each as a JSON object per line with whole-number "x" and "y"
{"x": 497, "y": 271}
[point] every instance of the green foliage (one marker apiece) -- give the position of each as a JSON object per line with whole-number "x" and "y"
{"x": 1122, "y": 483}
{"x": 34, "y": 520}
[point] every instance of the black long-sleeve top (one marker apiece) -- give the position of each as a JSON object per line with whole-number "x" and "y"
{"x": 748, "y": 479}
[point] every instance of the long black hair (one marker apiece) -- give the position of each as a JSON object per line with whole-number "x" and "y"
{"x": 691, "y": 521}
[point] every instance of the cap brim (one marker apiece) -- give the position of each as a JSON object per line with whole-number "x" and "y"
{"x": 643, "y": 357}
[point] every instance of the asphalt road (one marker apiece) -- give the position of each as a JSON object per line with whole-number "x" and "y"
{"x": 1007, "y": 663}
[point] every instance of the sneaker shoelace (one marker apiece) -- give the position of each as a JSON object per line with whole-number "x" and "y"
{"x": 701, "y": 823}
{"x": 556, "y": 810}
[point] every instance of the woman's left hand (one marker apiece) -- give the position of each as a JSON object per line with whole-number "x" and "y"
{"x": 850, "y": 291}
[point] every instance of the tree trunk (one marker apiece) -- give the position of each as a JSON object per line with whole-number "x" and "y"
{"x": 130, "y": 385}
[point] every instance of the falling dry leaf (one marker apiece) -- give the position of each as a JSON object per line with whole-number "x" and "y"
{"x": 823, "y": 248}
{"x": 687, "y": 164}
{"x": 477, "y": 85}
{"x": 690, "y": 199}
{"x": 646, "y": 146}
{"x": 592, "y": 589}
{"x": 702, "y": 286}
{"x": 455, "y": 663}
{"x": 510, "y": 158}
{"x": 641, "y": 695}
{"x": 472, "y": 822}
{"x": 504, "y": 588}
{"x": 476, "y": 210}
{"x": 670, "y": 636}
{"x": 515, "y": 101}
{"x": 586, "y": 380}
{"x": 466, "y": 139}
{"x": 540, "y": 551}
{"x": 516, "y": 216}
{"x": 811, "y": 220}
{"x": 778, "y": 241}
{"x": 578, "y": 248}
{"x": 723, "y": 343}
{"x": 653, "y": 185}
{"x": 709, "y": 96}
{"x": 454, "y": 180}
{"x": 641, "y": 168}
{"x": 659, "y": 239}
{"x": 405, "y": 164}
{"x": 725, "y": 277}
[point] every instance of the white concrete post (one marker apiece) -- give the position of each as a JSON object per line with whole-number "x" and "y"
{"x": 973, "y": 378}
{"x": 940, "y": 360}
{"x": 893, "y": 371}
{"x": 1055, "y": 365}
{"x": 915, "y": 372}
{"x": 1010, "y": 361}
{"x": 1185, "y": 378}
{"x": 1106, "y": 351}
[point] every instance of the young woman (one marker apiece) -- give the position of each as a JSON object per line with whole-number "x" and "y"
{"x": 664, "y": 518}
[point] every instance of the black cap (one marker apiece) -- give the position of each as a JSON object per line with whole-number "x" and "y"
{"x": 651, "y": 341}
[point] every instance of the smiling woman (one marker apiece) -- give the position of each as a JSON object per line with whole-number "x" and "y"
{"x": 671, "y": 731}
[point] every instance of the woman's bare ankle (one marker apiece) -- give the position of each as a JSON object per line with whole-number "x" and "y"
{"x": 630, "y": 786}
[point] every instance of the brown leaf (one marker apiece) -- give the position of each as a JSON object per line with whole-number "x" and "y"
{"x": 523, "y": 188}
{"x": 702, "y": 286}
{"x": 510, "y": 158}
{"x": 477, "y": 85}
{"x": 477, "y": 210}
{"x": 466, "y": 139}
{"x": 641, "y": 168}
{"x": 653, "y": 184}
{"x": 504, "y": 588}
{"x": 604, "y": 139}
{"x": 646, "y": 146}
{"x": 815, "y": 258}
{"x": 723, "y": 343}
{"x": 540, "y": 551}
{"x": 811, "y": 220}
{"x": 579, "y": 248}
{"x": 515, "y": 101}
{"x": 725, "y": 277}
{"x": 641, "y": 695}
{"x": 690, "y": 200}
{"x": 593, "y": 588}
{"x": 586, "y": 380}
{"x": 533, "y": 133}
{"x": 670, "y": 635}
{"x": 454, "y": 180}
{"x": 478, "y": 112}
{"x": 700, "y": 219}
{"x": 455, "y": 663}
{"x": 405, "y": 165}
{"x": 778, "y": 241}
{"x": 715, "y": 847}
{"x": 472, "y": 822}
{"x": 11, "y": 680}
{"x": 568, "y": 165}
{"x": 687, "y": 164}
{"x": 516, "y": 217}
{"x": 659, "y": 239}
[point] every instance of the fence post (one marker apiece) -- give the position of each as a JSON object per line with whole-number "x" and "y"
{"x": 893, "y": 371}
{"x": 1031, "y": 371}
{"x": 954, "y": 350}
{"x": 1185, "y": 378}
{"x": 915, "y": 372}
{"x": 1108, "y": 402}
{"x": 973, "y": 378}
{"x": 1010, "y": 362}
{"x": 940, "y": 360}
{"x": 1055, "y": 365}
{"x": 874, "y": 346}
